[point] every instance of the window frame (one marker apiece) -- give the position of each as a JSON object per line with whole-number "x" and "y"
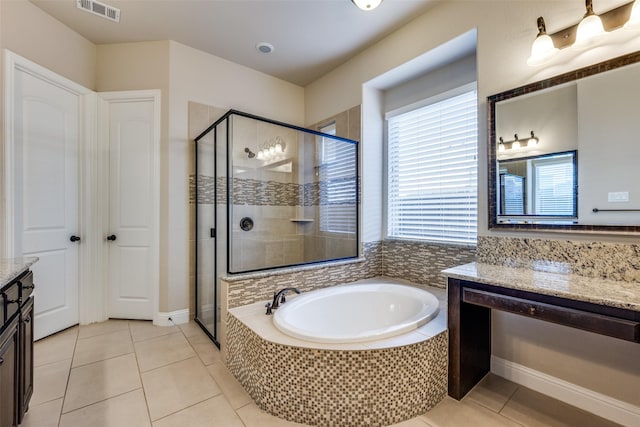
{"x": 440, "y": 97}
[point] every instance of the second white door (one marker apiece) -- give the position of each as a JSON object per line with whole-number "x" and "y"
{"x": 131, "y": 235}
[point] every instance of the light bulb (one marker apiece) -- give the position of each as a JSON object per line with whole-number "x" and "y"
{"x": 272, "y": 150}
{"x": 533, "y": 140}
{"x": 278, "y": 148}
{"x": 542, "y": 47}
{"x": 501, "y": 145}
{"x": 589, "y": 28}
{"x": 260, "y": 155}
{"x": 516, "y": 144}
{"x": 367, "y": 4}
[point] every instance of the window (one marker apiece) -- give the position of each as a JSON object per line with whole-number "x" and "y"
{"x": 337, "y": 184}
{"x": 432, "y": 169}
{"x": 554, "y": 185}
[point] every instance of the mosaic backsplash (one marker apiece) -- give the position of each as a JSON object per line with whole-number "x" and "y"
{"x": 248, "y": 291}
{"x": 421, "y": 262}
{"x": 613, "y": 261}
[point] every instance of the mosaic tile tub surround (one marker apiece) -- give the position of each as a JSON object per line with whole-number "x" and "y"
{"x": 612, "y": 261}
{"x": 372, "y": 387}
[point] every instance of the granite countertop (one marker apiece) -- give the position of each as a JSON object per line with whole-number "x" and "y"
{"x": 13, "y": 267}
{"x": 564, "y": 285}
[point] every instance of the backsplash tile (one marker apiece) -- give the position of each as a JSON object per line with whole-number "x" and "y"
{"x": 613, "y": 261}
{"x": 421, "y": 262}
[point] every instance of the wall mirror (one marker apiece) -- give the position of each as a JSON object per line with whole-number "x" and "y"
{"x": 563, "y": 152}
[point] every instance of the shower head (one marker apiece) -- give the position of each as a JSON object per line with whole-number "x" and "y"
{"x": 250, "y": 153}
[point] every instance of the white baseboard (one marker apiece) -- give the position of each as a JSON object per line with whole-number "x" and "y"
{"x": 171, "y": 318}
{"x": 604, "y": 406}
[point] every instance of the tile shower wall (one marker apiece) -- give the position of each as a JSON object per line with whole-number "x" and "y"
{"x": 614, "y": 261}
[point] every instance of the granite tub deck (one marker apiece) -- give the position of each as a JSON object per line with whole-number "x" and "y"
{"x": 370, "y": 383}
{"x": 611, "y": 293}
{"x": 12, "y": 268}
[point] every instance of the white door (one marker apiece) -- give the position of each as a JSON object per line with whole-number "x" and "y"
{"x": 133, "y": 205}
{"x": 46, "y": 134}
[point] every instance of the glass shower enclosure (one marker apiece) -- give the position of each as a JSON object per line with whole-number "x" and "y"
{"x": 269, "y": 195}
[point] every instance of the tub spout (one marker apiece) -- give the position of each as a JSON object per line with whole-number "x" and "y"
{"x": 279, "y": 298}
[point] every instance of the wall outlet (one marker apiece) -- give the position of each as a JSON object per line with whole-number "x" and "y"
{"x": 618, "y": 196}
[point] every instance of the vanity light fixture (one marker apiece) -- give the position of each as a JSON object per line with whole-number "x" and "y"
{"x": 272, "y": 149}
{"x": 590, "y": 29}
{"x": 542, "y": 47}
{"x": 367, "y": 4}
{"x": 517, "y": 143}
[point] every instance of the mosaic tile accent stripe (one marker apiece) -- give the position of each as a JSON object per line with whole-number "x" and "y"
{"x": 614, "y": 261}
{"x": 421, "y": 262}
{"x": 248, "y": 291}
{"x": 263, "y": 193}
{"x": 338, "y": 388}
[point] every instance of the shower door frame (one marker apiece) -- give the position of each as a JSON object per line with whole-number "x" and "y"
{"x": 229, "y": 163}
{"x": 214, "y": 233}
{"x": 229, "y": 186}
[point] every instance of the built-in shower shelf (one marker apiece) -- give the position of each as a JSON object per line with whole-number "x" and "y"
{"x": 301, "y": 219}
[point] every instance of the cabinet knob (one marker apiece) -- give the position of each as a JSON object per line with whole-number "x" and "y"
{"x": 27, "y": 319}
{"x": 532, "y": 310}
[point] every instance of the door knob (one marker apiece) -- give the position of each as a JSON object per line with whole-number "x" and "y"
{"x": 112, "y": 237}
{"x": 74, "y": 238}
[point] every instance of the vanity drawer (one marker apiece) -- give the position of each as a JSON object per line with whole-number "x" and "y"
{"x": 10, "y": 301}
{"x": 628, "y": 330}
{"x": 27, "y": 285}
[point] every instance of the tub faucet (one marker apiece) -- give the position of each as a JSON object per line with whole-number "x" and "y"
{"x": 279, "y": 298}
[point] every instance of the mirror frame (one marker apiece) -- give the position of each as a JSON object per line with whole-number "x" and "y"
{"x": 492, "y": 166}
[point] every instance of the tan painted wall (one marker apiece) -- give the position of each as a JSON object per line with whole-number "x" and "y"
{"x": 206, "y": 79}
{"x": 505, "y": 32}
{"x": 35, "y": 35}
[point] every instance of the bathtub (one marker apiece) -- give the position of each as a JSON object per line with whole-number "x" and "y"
{"x": 378, "y": 381}
{"x": 356, "y": 313}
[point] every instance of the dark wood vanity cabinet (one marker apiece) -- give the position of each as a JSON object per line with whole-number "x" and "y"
{"x": 16, "y": 349}
{"x": 9, "y": 373}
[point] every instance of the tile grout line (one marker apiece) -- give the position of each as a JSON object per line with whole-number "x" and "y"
{"x": 66, "y": 387}
{"x": 144, "y": 392}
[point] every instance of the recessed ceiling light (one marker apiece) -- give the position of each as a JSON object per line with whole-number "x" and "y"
{"x": 264, "y": 47}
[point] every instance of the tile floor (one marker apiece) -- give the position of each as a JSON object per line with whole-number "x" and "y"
{"x": 130, "y": 373}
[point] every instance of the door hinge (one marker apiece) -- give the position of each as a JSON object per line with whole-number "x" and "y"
{"x": 212, "y": 233}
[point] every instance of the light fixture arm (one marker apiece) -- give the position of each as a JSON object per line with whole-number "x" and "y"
{"x": 542, "y": 28}
{"x": 589, "y": 6}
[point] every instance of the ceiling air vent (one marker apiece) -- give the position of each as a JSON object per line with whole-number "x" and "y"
{"x": 98, "y": 8}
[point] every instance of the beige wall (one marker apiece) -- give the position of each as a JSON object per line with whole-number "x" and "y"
{"x": 56, "y": 46}
{"x": 206, "y": 79}
{"x": 505, "y": 31}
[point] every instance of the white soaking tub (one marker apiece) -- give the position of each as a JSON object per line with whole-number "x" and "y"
{"x": 356, "y": 313}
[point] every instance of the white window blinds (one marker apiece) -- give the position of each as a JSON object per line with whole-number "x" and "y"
{"x": 432, "y": 171}
{"x": 337, "y": 184}
{"x": 554, "y": 186}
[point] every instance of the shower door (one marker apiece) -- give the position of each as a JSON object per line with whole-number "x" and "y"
{"x": 209, "y": 164}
